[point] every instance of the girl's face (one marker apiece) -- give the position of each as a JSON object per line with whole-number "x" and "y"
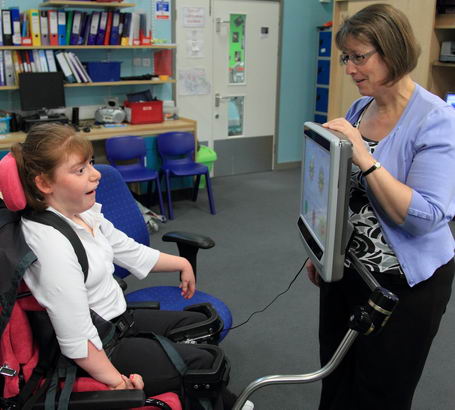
{"x": 72, "y": 190}
{"x": 370, "y": 73}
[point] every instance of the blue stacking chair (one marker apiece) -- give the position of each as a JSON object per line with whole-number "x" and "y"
{"x": 119, "y": 207}
{"x": 177, "y": 153}
{"x": 132, "y": 148}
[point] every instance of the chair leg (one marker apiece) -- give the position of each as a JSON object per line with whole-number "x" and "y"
{"x": 160, "y": 196}
{"x": 169, "y": 199}
{"x": 196, "y": 187}
{"x": 210, "y": 194}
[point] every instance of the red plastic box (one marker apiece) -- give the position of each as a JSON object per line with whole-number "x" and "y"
{"x": 144, "y": 112}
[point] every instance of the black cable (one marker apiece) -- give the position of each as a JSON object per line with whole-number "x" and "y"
{"x": 274, "y": 299}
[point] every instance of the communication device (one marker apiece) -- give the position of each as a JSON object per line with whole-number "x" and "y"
{"x": 323, "y": 222}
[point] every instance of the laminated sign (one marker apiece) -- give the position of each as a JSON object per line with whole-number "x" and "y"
{"x": 162, "y": 10}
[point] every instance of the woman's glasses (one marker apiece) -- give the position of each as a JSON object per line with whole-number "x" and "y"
{"x": 356, "y": 59}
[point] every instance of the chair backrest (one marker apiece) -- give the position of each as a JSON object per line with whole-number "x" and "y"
{"x": 125, "y": 148}
{"x": 172, "y": 146}
{"x": 119, "y": 207}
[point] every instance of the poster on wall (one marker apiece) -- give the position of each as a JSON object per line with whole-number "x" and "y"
{"x": 194, "y": 43}
{"x": 162, "y": 10}
{"x": 193, "y": 17}
{"x": 193, "y": 81}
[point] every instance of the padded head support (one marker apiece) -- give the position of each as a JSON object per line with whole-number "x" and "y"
{"x": 10, "y": 184}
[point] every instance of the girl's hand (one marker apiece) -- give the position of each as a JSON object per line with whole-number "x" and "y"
{"x": 360, "y": 152}
{"x": 312, "y": 273}
{"x": 134, "y": 382}
{"x": 187, "y": 281}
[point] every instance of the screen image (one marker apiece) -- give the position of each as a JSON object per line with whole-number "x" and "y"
{"x": 316, "y": 189}
{"x": 450, "y": 99}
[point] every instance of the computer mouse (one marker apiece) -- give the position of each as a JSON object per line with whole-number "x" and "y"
{"x": 86, "y": 129}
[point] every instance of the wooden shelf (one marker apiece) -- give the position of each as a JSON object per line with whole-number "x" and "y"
{"x": 445, "y": 21}
{"x": 102, "y": 133}
{"x": 441, "y": 64}
{"x": 102, "y": 84}
{"x": 85, "y": 47}
{"x": 88, "y": 4}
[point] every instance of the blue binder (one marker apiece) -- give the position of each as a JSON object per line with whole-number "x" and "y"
{"x": 101, "y": 29}
{"x": 76, "y": 29}
{"x": 115, "y": 33}
{"x": 61, "y": 27}
{"x": 16, "y": 26}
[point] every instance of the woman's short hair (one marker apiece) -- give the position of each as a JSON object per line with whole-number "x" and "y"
{"x": 45, "y": 148}
{"x": 388, "y": 30}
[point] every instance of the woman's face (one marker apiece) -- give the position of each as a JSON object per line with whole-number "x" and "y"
{"x": 370, "y": 74}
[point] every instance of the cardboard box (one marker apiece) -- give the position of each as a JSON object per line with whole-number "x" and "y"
{"x": 144, "y": 112}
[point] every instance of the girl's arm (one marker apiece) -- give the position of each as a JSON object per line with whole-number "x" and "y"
{"x": 98, "y": 365}
{"x": 172, "y": 263}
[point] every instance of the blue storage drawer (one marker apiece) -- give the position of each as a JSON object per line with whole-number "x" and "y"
{"x": 325, "y": 43}
{"x": 323, "y": 72}
{"x": 322, "y": 99}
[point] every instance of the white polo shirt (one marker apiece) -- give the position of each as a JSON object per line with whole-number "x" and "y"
{"x": 57, "y": 282}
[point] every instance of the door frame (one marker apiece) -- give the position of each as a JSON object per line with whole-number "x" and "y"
{"x": 279, "y": 58}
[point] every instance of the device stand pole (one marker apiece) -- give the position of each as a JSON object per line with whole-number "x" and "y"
{"x": 299, "y": 378}
{"x": 368, "y": 319}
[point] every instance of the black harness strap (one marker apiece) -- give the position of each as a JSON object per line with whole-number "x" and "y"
{"x": 52, "y": 219}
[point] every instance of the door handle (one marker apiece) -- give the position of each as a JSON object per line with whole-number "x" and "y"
{"x": 218, "y": 23}
{"x": 219, "y": 98}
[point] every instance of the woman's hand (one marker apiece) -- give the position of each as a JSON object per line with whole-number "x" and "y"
{"x": 134, "y": 382}
{"x": 187, "y": 281}
{"x": 360, "y": 154}
{"x": 312, "y": 273}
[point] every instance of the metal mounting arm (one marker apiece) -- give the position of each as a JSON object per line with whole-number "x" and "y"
{"x": 367, "y": 320}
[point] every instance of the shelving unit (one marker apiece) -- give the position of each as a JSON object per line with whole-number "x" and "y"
{"x": 322, "y": 81}
{"x": 441, "y": 78}
{"x": 90, "y": 4}
{"x": 182, "y": 124}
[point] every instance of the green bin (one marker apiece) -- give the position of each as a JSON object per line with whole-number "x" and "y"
{"x": 206, "y": 156}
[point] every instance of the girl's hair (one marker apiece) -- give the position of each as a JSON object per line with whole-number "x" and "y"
{"x": 45, "y": 148}
{"x": 388, "y": 30}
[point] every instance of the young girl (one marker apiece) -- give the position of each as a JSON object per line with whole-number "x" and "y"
{"x": 56, "y": 170}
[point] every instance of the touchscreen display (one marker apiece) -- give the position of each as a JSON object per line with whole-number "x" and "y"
{"x": 316, "y": 189}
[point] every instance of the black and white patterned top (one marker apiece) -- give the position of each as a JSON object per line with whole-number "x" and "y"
{"x": 368, "y": 242}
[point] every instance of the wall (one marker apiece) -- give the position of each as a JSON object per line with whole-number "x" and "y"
{"x": 298, "y": 72}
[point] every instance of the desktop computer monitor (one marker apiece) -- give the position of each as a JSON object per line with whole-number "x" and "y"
{"x": 323, "y": 222}
{"x": 41, "y": 91}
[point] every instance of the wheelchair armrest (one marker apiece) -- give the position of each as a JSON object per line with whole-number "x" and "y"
{"x": 123, "y": 285}
{"x": 143, "y": 305}
{"x": 103, "y": 400}
{"x": 191, "y": 239}
{"x": 189, "y": 245}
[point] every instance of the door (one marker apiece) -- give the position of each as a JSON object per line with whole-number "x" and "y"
{"x": 240, "y": 38}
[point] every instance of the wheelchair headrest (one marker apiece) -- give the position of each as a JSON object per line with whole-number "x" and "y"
{"x": 10, "y": 184}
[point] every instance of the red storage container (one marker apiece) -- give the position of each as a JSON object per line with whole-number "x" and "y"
{"x": 144, "y": 112}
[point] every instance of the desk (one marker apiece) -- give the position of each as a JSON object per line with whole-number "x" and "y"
{"x": 96, "y": 134}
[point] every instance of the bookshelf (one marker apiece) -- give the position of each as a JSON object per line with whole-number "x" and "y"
{"x": 83, "y": 5}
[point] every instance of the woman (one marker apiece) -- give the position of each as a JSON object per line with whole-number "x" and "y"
{"x": 402, "y": 198}
{"x": 57, "y": 173}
